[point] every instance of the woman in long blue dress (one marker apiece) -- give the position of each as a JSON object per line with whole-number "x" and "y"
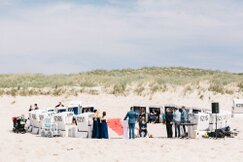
{"x": 104, "y": 127}
{"x": 96, "y": 125}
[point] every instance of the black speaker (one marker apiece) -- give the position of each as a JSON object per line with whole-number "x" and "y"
{"x": 215, "y": 108}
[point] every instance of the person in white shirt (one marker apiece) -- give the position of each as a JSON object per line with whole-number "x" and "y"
{"x": 177, "y": 122}
{"x": 184, "y": 118}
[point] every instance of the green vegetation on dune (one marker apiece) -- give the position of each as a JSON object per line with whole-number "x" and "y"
{"x": 119, "y": 81}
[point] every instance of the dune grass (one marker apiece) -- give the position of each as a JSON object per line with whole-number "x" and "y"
{"x": 119, "y": 82}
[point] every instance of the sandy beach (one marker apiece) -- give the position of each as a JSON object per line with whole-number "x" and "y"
{"x": 113, "y": 55}
{"x": 29, "y": 147}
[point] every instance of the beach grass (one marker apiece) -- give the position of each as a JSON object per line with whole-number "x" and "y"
{"x": 120, "y": 82}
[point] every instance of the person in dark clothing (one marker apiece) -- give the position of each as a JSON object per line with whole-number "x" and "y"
{"x": 104, "y": 127}
{"x": 143, "y": 127}
{"x": 169, "y": 122}
{"x": 142, "y": 114}
{"x": 96, "y": 125}
{"x": 152, "y": 116}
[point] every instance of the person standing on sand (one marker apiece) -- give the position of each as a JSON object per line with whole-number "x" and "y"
{"x": 169, "y": 122}
{"x": 132, "y": 115}
{"x": 96, "y": 123}
{"x": 103, "y": 127}
{"x": 177, "y": 121}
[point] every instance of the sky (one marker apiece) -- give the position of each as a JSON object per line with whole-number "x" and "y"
{"x": 71, "y": 36}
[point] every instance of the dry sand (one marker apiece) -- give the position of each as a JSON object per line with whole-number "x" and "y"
{"x": 31, "y": 148}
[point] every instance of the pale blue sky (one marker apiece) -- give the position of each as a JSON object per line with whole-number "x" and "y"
{"x": 69, "y": 36}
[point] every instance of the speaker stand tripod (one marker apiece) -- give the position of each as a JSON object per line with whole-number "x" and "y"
{"x": 216, "y": 130}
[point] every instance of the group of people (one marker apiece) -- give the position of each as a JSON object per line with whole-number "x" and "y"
{"x": 34, "y": 108}
{"x": 176, "y": 117}
{"x": 153, "y": 116}
{"x": 132, "y": 119}
{"x": 100, "y": 128}
{"x": 172, "y": 117}
{"x": 37, "y": 108}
